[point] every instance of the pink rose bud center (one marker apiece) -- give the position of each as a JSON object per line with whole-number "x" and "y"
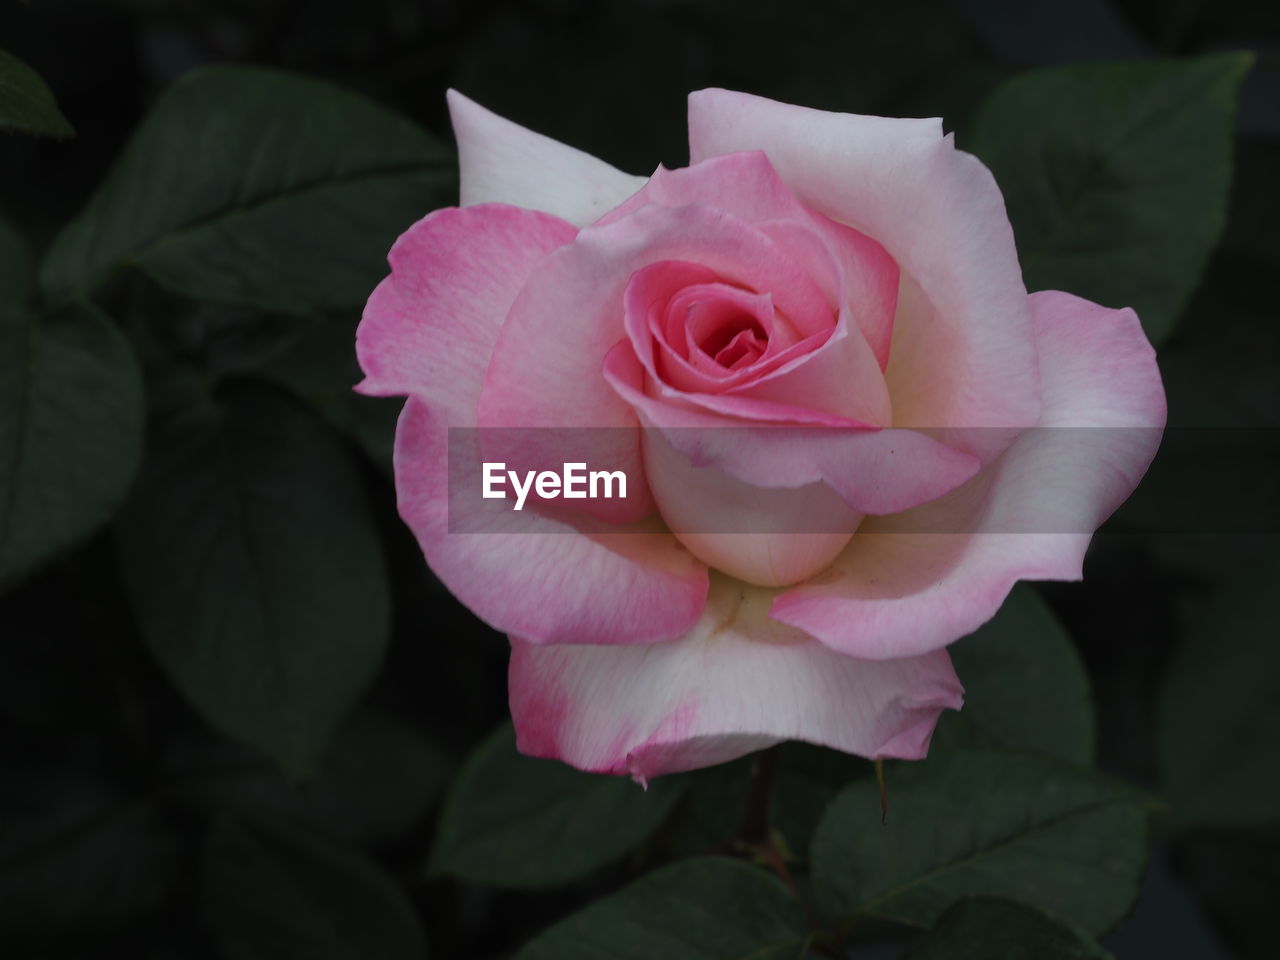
{"x": 711, "y": 336}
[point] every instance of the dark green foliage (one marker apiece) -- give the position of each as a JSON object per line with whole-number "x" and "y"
{"x": 1220, "y": 710}
{"x": 274, "y": 892}
{"x": 969, "y": 823}
{"x": 516, "y": 821}
{"x": 80, "y": 848}
{"x": 1025, "y": 686}
{"x": 270, "y": 612}
{"x": 988, "y": 929}
{"x": 1116, "y": 177}
{"x": 697, "y": 910}
{"x": 377, "y": 780}
{"x": 260, "y": 188}
{"x": 26, "y": 102}
{"x": 71, "y": 410}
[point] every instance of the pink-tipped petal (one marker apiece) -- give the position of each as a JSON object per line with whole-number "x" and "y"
{"x": 429, "y": 328}
{"x": 532, "y": 576}
{"x": 915, "y": 582}
{"x": 502, "y": 162}
{"x": 428, "y": 332}
{"x": 962, "y": 353}
{"x": 737, "y": 682}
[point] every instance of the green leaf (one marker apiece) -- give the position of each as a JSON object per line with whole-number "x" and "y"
{"x": 376, "y": 780}
{"x": 1220, "y": 707}
{"x": 710, "y": 909}
{"x": 1115, "y": 176}
{"x": 320, "y": 366}
{"x": 15, "y": 266}
{"x": 515, "y": 821}
{"x": 252, "y": 561}
{"x": 71, "y": 407}
{"x": 710, "y": 814}
{"x": 986, "y": 928}
{"x": 258, "y": 188}
{"x": 983, "y": 823}
{"x": 26, "y": 102}
{"x": 1235, "y": 876}
{"x": 1025, "y": 687}
{"x": 273, "y": 892}
{"x": 808, "y": 779}
{"x": 79, "y": 850}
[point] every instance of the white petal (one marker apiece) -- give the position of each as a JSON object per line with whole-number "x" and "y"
{"x": 502, "y": 162}
{"x": 737, "y": 682}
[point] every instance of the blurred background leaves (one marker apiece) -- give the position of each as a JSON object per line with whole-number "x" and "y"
{"x": 255, "y": 188}
{"x": 27, "y": 104}
{"x": 1115, "y": 176}
{"x": 240, "y": 719}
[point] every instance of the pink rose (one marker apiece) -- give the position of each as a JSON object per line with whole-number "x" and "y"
{"x": 792, "y": 341}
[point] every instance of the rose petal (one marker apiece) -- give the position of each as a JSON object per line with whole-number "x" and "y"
{"x": 916, "y": 582}
{"x": 747, "y": 186}
{"x": 831, "y": 377}
{"x": 428, "y": 331}
{"x": 767, "y": 536}
{"x": 962, "y": 353}
{"x": 737, "y": 682}
{"x": 429, "y": 328}
{"x": 664, "y": 303}
{"x": 874, "y": 471}
{"x": 839, "y": 377}
{"x": 546, "y": 581}
{"x": 545, "y": 370}
{"x": 502, "y": 162}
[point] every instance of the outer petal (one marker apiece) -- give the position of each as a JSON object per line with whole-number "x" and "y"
{"x": 917, "y": 581}
{"x": 737, "y": 682}
{"x": 536, "y": 577}
{"x": 429, "y": 328}
{"x": 428, "y": 331}
{"x": 962, "y": 354}
{"x": 502, "y": 162}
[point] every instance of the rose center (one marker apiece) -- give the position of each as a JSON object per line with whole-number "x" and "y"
{"x": 719, "y": 329}
{"x": 731, "y": 342}
{"x": 704, "y": 333}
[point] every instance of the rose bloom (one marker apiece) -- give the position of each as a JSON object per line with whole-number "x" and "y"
{"x": 793, "y": 340}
